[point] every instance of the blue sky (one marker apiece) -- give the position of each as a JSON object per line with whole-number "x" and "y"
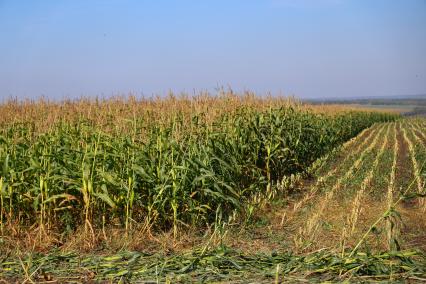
{"x": 307, "y": 48}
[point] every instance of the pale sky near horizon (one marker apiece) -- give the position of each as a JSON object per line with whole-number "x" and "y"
{"x": 306, "y": 48}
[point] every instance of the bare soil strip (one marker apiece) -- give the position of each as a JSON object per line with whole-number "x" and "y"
{"x": 412, "y": 216}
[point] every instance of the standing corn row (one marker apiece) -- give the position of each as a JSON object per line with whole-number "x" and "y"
{"x": 176, "y": 171}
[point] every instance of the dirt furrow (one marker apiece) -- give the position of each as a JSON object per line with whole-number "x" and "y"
{"x": 413, "y": 231}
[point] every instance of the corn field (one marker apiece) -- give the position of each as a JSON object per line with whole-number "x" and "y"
{"x": 226, "y": 187}
{"x": 176, "y": 172}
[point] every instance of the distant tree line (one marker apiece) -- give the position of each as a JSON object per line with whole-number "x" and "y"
{"x": 421, "y": 110}
{"x": 421, "y": 101}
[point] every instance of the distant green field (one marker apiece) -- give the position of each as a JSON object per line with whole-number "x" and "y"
{"x": 400, "y": 108}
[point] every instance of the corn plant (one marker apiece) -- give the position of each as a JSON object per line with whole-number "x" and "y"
{"x": 139, "y": 165}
